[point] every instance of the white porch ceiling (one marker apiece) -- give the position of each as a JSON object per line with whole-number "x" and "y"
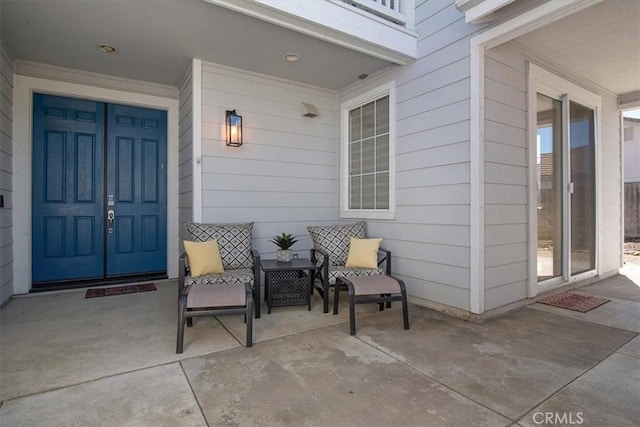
{"x": 600, "y": 43}
{"x": 158, "y": 38}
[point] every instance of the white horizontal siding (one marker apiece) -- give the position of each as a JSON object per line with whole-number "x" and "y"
{"x": 449, "y": 93}
{"x": 506, "y": 177}
{"x": 447, "y": 74}
{"x": 502, "y": 295}
{"x": 285, "y": 175}
{"x": 505, "y": 154}
{"x": 505, "y": 134}
{"x": 437, "y": 156}
{"x": 505, "y": 234}
{"x": 454, "y": 235}
{"x": 6, "y": 174}
{"x": 443, "y": 274}
{"x": 451, "y": 26}
{"x": 441, "y": 175}
{"x": 435, "y": 137}
{"x": 434, "y": 253}
{"x": 444, "y": 294}
{"x": 429, "y": 237}
{"x": 185, "y": 149}
{"x": 427, "y": 9}
{"x": 502, "y": 275}
{"x": 435, "y": 215}
{"x": 436, "y": 195}
{"x": 505, "y": 254}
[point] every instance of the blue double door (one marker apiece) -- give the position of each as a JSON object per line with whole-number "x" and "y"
{"x": 99, "y": 190}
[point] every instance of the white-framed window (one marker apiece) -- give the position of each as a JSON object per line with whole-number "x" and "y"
{"x": 367, "y": 145}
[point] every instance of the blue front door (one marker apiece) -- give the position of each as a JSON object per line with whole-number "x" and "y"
{"x": 99, "y": 190}
{"x": 136, "y": 190}
{"x": 67, "y": 224}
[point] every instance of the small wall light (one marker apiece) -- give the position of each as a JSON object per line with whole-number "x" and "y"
{"x": 234, "y": 129}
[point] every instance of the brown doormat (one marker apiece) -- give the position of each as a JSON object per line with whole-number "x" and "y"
{"x": 575, "y": 302}
{"x": 120, "y": 290}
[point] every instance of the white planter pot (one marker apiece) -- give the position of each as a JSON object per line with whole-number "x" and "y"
{"x": 284, "y": 255}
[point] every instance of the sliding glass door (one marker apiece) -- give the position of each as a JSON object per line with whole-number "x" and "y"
{"x": 550, "y": 178}
{"x": 582, "y": 154}
{"x": 566, "y": 188}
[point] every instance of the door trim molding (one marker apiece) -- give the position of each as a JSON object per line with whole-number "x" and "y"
{"x": 24, "y": 88}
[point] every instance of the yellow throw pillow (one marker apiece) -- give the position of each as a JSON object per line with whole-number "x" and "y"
{"x": 204, "y": 257}
{"x": 363, "y": 253}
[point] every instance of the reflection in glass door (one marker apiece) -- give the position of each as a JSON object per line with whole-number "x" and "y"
{"x": 566, "y": 188}
{"x": 549, "y": 176}
{"x": 583, "y": 183}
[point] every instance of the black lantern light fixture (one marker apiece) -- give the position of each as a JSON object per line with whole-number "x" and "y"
{"x": 234, "y": 129}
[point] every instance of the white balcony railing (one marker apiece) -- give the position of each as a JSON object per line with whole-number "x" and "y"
{"x": 380, "y": 28}
{"x": 397, "y": 11}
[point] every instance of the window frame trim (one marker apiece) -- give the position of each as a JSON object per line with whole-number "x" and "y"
{"x": 387, "y": 89}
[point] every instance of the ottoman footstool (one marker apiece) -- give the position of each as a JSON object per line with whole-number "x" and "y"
{"x": 378, "y": 289}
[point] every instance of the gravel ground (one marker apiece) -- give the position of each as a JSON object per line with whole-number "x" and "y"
{"x": 632, "y": 252}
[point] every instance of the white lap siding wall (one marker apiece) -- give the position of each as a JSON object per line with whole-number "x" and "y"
{"x": 430, "y": 236}
{"x": 6, "y": 174}
{"x": 285, "y": 175}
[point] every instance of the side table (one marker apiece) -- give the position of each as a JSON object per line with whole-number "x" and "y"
{"x": 288, "y": 283}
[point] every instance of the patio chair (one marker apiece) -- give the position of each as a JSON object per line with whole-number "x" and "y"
{"x": 233, "y": 287}
{"x": 330, "y": 252}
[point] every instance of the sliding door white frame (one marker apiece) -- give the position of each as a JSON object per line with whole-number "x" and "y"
{"x": 551, "y": 85}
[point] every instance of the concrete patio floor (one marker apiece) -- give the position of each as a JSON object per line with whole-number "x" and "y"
{"x": 70, "y": 361}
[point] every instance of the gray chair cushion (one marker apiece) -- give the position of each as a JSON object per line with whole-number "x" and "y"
{"x": 234, "y": 241}
{"x": 216, "y": 296}
{"x": 240, "y": 275}
{"x": 375, "y": 285}
{"x": 336, "y": 271}
{"x": 335, "y": 240}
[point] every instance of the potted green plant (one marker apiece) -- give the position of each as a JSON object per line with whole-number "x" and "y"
{"x": 284, "y": 242}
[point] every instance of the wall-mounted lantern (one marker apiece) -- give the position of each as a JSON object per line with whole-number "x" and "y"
{"x": 234, "y": 129}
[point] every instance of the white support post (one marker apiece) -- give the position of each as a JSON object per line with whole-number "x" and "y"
{"x": 196, "y": 99}
{"x": 477, "y": 180}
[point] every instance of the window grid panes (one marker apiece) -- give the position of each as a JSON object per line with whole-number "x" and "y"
{"x": 369, "y": 155}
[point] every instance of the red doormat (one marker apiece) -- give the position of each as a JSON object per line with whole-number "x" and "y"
{"x": 120, "y": 290}
{"x": 575, "y": 302}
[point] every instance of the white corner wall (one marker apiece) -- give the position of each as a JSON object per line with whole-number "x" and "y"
{"x": 507, "y": 170}
{"x": 285, "y": 176}
{"x": 430, "y": 237}
{"x": 6, "y": 173}
{"x": 506, "y": 177}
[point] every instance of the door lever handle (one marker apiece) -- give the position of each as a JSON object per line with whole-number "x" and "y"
{"x": 110, "y": 216}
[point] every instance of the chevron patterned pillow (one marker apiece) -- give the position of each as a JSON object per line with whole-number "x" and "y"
{"x": 234, "y": 241}
{"x": 335, "y": 239}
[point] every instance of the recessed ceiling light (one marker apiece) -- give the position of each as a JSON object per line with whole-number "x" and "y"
{"x": 363, "y": 76}
{"x": 291, "y": 57}
{"x": 107, "y": 48}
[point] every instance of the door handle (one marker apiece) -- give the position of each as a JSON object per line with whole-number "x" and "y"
{"x": 110, "y": 216}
